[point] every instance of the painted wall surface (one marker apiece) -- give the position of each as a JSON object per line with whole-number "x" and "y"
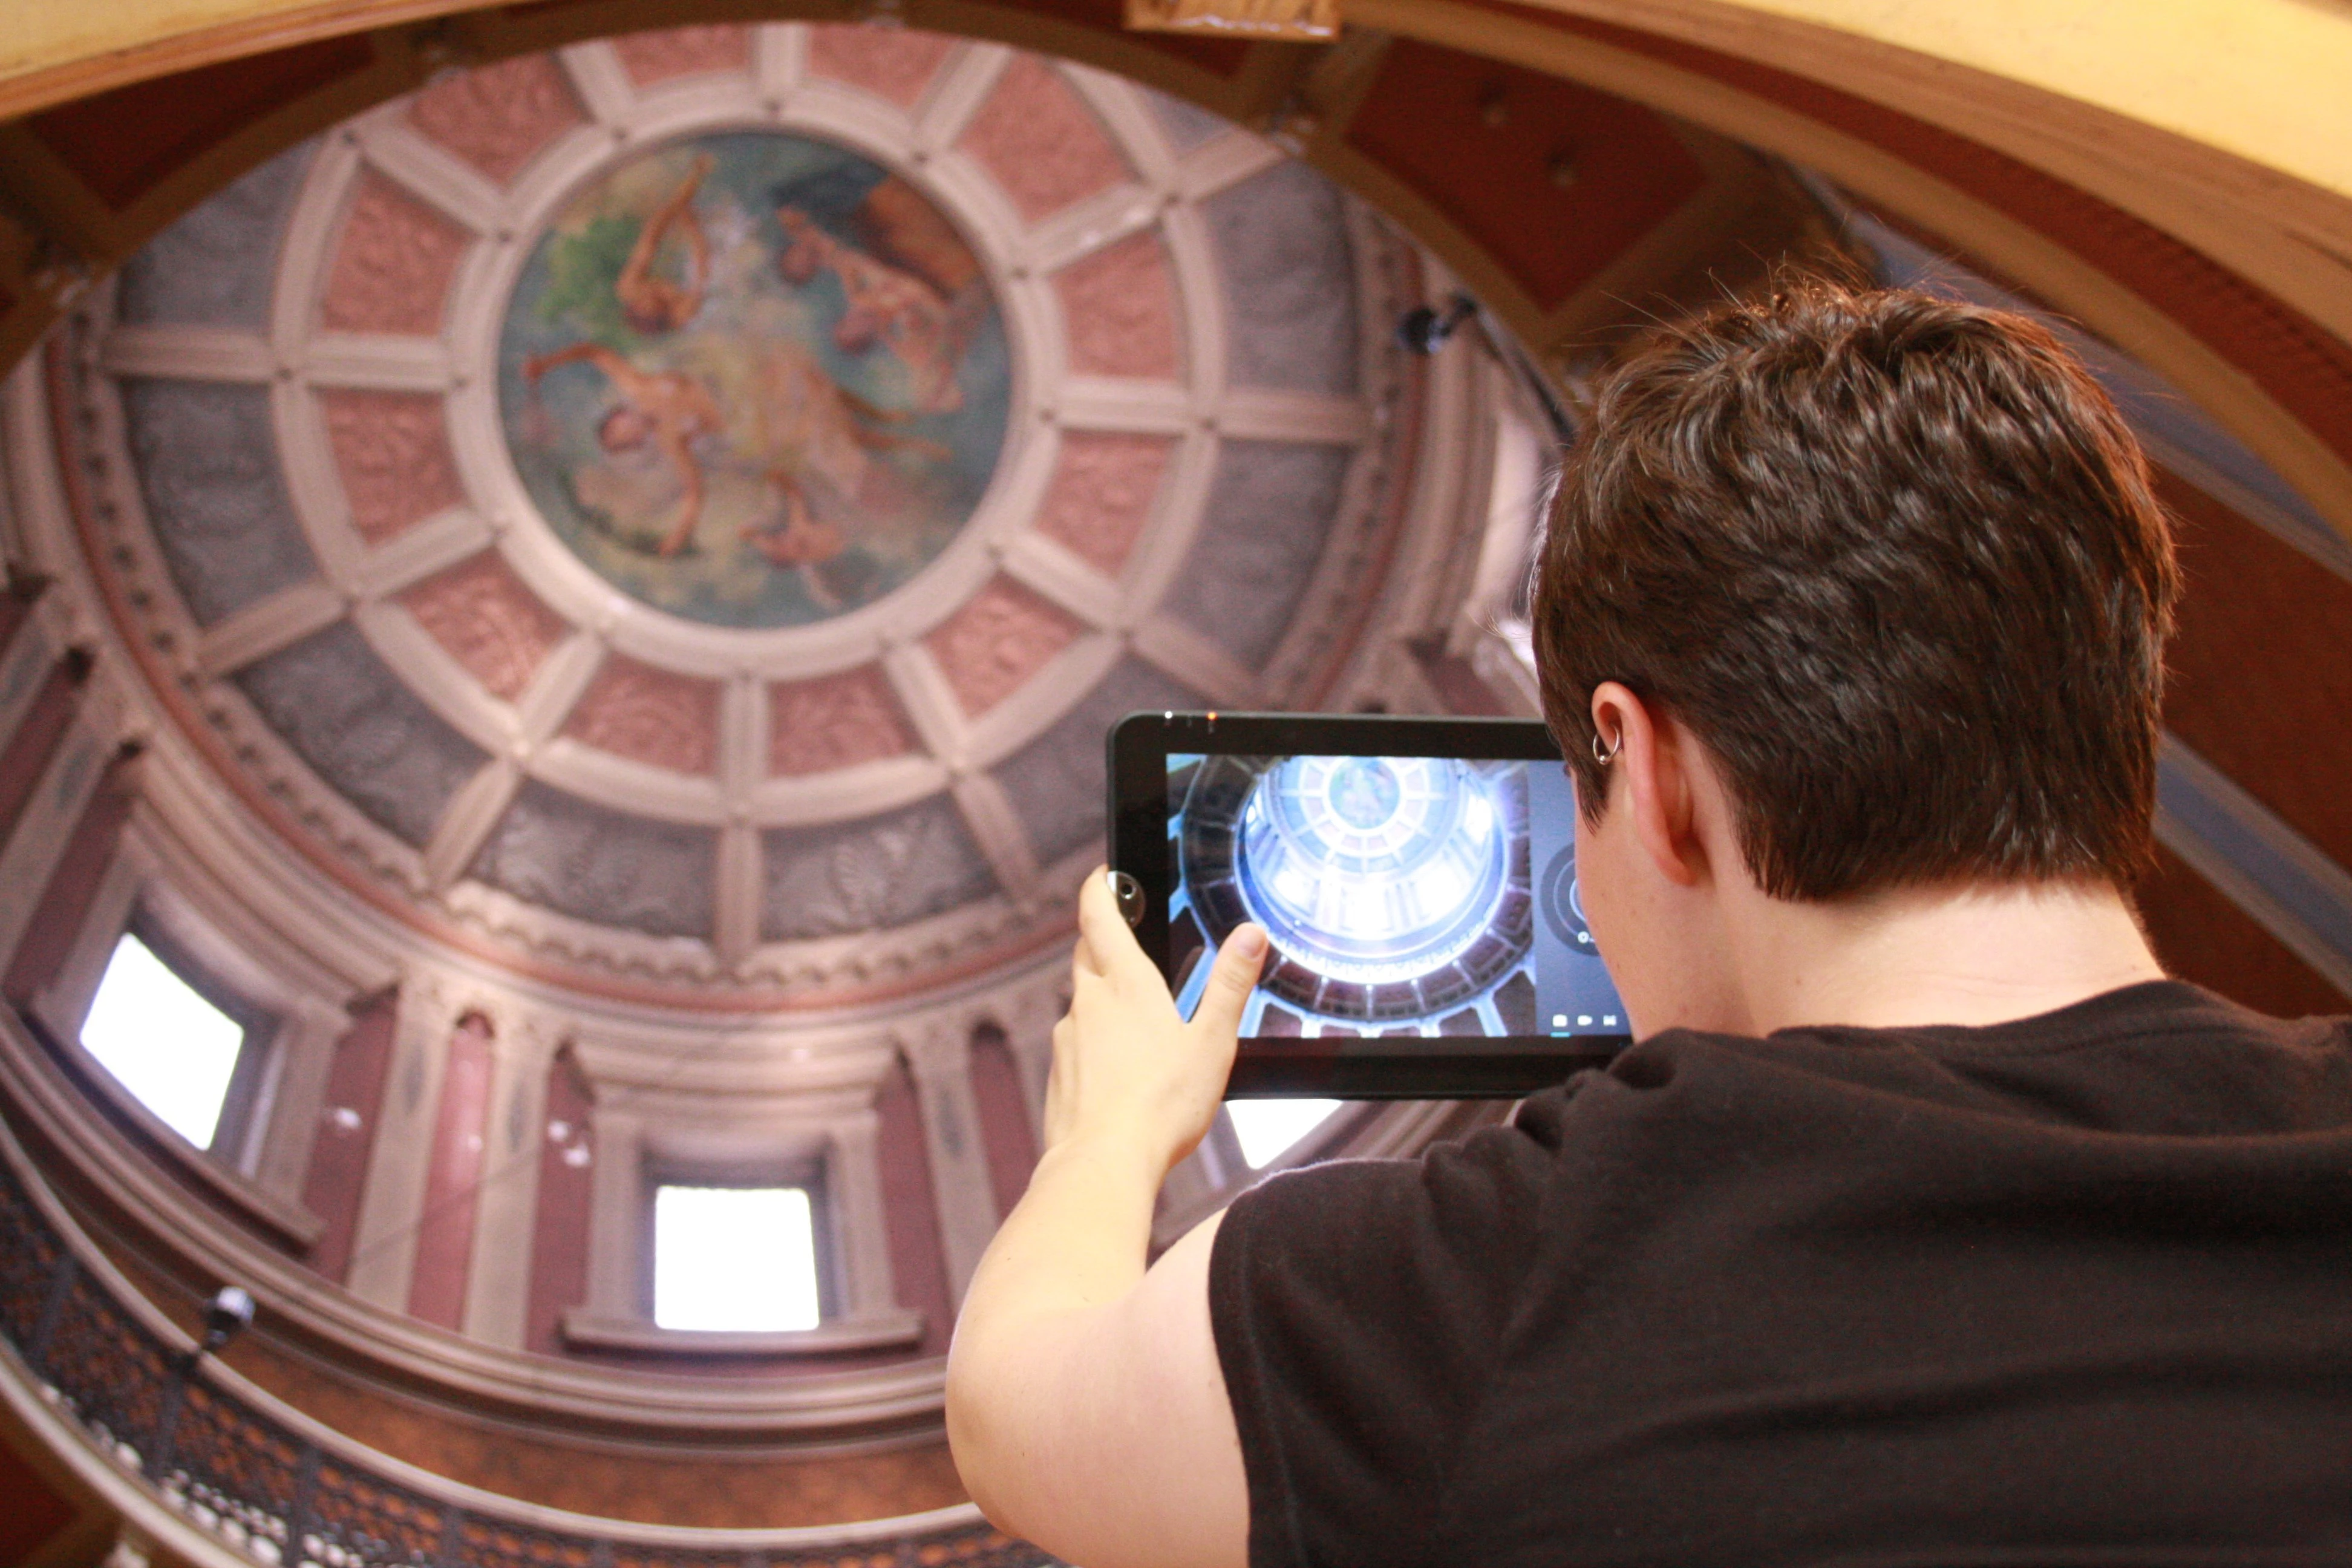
{"x": 337, "y": 1178}
{"x": 73, "y": 885}
{"x": 918, "y": 1255}
{"x": 444, "y": 1229}
{"x": 567, "y": 1195}
{"x": 1004, "y": 1117}
{"x": 27, "y": 753}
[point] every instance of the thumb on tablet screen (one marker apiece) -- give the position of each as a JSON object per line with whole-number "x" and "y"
{"x": 1239, "y": 960}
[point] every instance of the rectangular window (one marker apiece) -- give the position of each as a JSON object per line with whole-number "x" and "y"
{"x": 740, "y": 1259}
{"x": 175, "y": 1051}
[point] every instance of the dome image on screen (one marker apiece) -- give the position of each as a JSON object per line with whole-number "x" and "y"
{"x": 1395, "y": 889}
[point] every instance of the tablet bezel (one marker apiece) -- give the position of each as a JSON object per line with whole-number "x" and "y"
{"x": 1138, "y": 749}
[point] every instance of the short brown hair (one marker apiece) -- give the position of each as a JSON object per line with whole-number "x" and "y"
{"x": 1895, "y": 560}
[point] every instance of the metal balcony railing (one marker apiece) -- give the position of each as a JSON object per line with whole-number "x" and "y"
{"x": 257, "y": 1484}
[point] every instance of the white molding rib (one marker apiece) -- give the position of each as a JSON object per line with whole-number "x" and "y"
{"x": 373, "y": 361}
{"x": 431, "y": 173}
{"x": 187, "y": 353}
{"x": 969, "y": 76}
{"x": 929, "y": 703}
{"x": 624, "y": 784}
{"x": 601, "y": 80}
{"x": 1177, "y": 514}
{"x": 1136, "y": 407}
{"x": 1092, "y": 225}
{"x": 560, "y": 683}
{"x": 268, "y": 627}
{"x": 996, "y": 827}
{"x": 1177, "y": 651}
{"x": 869, "y": 789}
{"x": 466, "y": 822}
{"x": 1224, "y": 162}
{"x": 743, "y": 739}
{"x": 1256, "y": 413}
{"x": 1054, "y": 574}
{"x": 1129, "y": 118}
{"x": 1194, "y": 263}
{"x": 778, "y": 57}
{"x": 2266, "y": 869}
{"x": 738, "y": 879}
{"x": 737, "y": 894}
{"x": 1011, "y": 723}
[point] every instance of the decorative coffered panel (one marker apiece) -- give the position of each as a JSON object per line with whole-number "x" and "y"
{"x": 719, "y": 484}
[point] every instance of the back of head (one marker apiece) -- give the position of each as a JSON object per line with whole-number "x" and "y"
{"x": 1895, "y": 560}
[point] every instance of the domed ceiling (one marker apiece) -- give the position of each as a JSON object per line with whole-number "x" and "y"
{"x": 684, "y": 511}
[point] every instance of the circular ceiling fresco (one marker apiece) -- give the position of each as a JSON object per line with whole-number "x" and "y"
{"x": 688, "y": 505}
{"x": 753, "y": 378}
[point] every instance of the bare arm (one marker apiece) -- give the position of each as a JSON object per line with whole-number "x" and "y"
{"x": 1085, "y": 1404}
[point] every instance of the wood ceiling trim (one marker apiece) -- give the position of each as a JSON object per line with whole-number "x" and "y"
{"x": 1240, "y": 79}
{"x": 2307, "y": 365}
{"x": 2243, "y": 122}
{"x": 1975, "y": 200}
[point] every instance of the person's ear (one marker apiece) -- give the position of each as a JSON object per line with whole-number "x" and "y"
{"x": 1652, "y": 757}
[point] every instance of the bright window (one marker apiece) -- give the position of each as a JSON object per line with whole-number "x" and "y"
{"x": 1267, "y": 1128}
{"x": 164, "y": 1042}
{"x": 734, "y": 1258}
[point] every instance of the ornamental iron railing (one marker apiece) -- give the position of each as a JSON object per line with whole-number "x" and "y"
{"x": 283, "y": 1500}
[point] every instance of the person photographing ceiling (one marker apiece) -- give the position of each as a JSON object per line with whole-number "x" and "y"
{"x": 1925, "y": 1221}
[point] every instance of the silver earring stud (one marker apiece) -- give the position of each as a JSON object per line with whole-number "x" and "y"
{"x": 1615, "y": 746}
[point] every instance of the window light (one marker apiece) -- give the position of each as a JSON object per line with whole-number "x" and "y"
{"x": 1267, "y": 1128}
{"x": 174, "y": 1051}
{"x": 734, "y": 1258}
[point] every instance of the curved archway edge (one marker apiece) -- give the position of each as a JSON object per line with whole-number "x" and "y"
{"x": 2222, "y": 263}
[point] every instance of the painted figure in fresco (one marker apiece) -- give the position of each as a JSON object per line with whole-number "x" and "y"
{"x": 709, "y": 422}
{"x": 669, "y": 411}
{"x": 776, "y": 411}
{"x": 884, "y": 302}
{"x": 650, "y": 302}
{"x": 811, "y": 438}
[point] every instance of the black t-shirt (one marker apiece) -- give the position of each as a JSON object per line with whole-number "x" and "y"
{"x": 2075, "y": 1289}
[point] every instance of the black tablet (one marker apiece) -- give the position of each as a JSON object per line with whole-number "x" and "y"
{"x": 1417, "y": 877}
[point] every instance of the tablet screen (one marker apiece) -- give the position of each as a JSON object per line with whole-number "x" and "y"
{"x": 1404, "y": 896}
